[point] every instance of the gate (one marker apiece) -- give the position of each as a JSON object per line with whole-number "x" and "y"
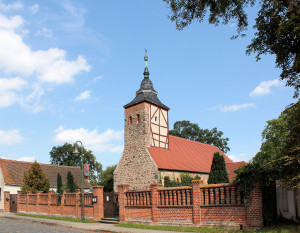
{"x": 13, "y": 203}
{"x": 111, "y": 205}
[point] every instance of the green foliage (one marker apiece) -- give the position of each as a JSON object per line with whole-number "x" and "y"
{"x": 277, "y": 25}
{"x": 167, "y": 181}
{"x": 107, "y": 178}
{"x": 289, "y": 162}
{"x": 35, "y": 180}
{"x": 218, "y": 172}
{"x": 65, "y": 188}
{"x": 186, "y": 179}
{"x": 192, "y": 131}
{"x": 72, "y": 186}
{"x": 63, "y": 155}
{"x": 278, "y": 158}
{"x": 59, "y": 185}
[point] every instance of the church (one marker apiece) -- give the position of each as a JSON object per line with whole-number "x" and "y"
{"x": 150, "y": 153}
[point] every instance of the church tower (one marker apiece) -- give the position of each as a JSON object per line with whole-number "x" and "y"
{"x": 146, "y": 125}
{"x": 148, "y": 112}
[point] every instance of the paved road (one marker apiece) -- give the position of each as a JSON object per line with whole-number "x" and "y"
{"x": 13, "y": 226}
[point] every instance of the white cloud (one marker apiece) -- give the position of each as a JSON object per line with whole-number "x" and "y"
{"x": 50, "y": 65}
{"x": 10, "y": 137}
{"x": 10, "y": 23}
{"x": 8, "y": 88}
{"x": 237, "y": 158}
{"x": 97, "y": 142}
{"x": 27, "y": 159}
{"x": 34, "y": 8}
{"x": 264, "y": 87}
{"x": 45, "y": 32}
{"x": 83, "y": 96}
{"x": 237, "y": 107}
{"x": 14, "y": 6}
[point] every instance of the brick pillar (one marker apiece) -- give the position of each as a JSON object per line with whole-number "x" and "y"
{"x": 254, "y": 209}
{"x": 155, "y": 201}
{"x": 38, "y": 193}
{"x": 227, "y": 195}
{"x": 98, "y": 208}
{"x": 18, "y": 201}
{"x": 6, "y": 201}
{"x": 63, "y": 200}
{"x": 49, "y": 201}
{"x": 196, "y": 195}
{"x": 121, "y": 196}
{"x": 27, "y": 200}
{"x": 206, "y": 196}
{"x": 78, "y": 210}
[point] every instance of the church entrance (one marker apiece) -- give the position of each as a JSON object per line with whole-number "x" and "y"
{"x": 111, "y": 205}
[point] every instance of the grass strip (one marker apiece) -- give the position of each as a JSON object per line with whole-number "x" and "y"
{"x": 279, "y": 228}
{"x": 57, "y": 218}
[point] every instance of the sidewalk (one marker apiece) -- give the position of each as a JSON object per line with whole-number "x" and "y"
{"x": 81, "y": 226}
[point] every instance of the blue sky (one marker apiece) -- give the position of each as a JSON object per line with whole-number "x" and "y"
{"x": 68, "y": 67}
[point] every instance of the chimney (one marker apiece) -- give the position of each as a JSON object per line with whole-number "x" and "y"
{"x": 86, "y": 170}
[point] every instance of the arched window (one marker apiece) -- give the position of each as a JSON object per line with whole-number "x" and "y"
{"x": 138, "y": 118}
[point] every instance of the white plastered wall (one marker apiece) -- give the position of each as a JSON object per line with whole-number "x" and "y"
{"x": 2, "y": 191}
{"x": 290, "y": 211}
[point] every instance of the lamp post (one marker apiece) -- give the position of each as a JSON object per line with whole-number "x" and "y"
{"x": 76, "y": 152}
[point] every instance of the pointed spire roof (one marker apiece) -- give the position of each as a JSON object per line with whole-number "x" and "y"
{"x": 146, "y": 91}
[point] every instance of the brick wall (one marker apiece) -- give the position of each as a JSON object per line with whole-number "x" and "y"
{"x": 136, "y": 167}
{"x": 6, "y": 201}
{"x": 70, "y": 206}
{"x": 201, "y": 205}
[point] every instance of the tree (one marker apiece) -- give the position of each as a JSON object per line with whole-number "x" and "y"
{"x": 277, "y": 25}
{"x": 192, "y": 131}
{"x": 107, "y": 178}
{"x": 63, "y": 155}
{"x": 35, "y": 180}
{"x": 72, "y": 186}
{"x": 289, "y": 162}
{"x": 59, "y": 190}
{"x": 272, "y": 162}
{"x": 218, "y": 172}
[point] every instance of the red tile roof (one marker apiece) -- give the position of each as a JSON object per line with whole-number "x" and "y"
{"x": 231, "y": 167}
{"x": 185, "y": 155}
{"x": 13, "y": 172}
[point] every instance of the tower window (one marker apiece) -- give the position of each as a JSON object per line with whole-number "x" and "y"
{"x": 138, "y": 118}
{"x": 156, "y": 118}
{"x": 130, "y": 120}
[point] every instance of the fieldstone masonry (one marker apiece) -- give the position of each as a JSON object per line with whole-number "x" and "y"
{"x": 136, "y": 167}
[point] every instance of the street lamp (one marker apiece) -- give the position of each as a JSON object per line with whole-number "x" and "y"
{"x": 76, "y": 152}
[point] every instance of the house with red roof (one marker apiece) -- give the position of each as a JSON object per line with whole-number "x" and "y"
{"x": 150, "y": 153}
{"x": 12, "y": 173}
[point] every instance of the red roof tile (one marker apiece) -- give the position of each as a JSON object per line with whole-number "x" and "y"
{"x": 185, "y": 155}
{"x": 231, "y": 167}
{"x": 13, "y": 172}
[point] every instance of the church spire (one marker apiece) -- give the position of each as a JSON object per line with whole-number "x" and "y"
{"x": 146, "y": 91}
{"x": 146, "y": 72}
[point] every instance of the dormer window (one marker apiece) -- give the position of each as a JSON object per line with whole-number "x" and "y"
{"x": 138, "y": 118}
